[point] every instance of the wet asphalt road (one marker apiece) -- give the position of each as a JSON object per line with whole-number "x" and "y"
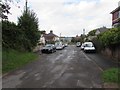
{"x": 68, "y": 68}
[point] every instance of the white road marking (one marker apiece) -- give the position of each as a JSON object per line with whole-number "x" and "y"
{"x": 87, "y": 57}
{"x": 98, "y": 66}
{"x": 93, "y": 62}
{"x": 38, "y": 78}
{"x": 36, "y": 74}
{"x": 78, "y": 83}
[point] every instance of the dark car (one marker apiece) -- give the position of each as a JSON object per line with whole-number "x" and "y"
{"x": 49, "y": 48}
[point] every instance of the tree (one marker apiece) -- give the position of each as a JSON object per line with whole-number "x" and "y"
{"x": 28, "y": 22}
{"x": 11, "y": 35}
{"x": 92, "y": 33}
{"x": 110, "y": 37}
{"x": 4, "y": 9}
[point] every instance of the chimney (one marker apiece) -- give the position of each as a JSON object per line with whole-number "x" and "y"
{"x": 44, "y": 32}
{"x": 51, "y": 31}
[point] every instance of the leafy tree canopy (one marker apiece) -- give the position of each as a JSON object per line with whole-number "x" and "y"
{"x": 11, "y": 35}
{"x": 28, "y": 22}
{"x": 110, "y": 37}
{"x": 92, "y": 33}
{"x": 4, "y": 9}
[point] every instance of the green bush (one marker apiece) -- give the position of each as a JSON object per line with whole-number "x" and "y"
{"x": 110, "y": 37}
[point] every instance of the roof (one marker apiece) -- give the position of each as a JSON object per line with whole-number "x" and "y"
{"x": 52, "y": 35}
{"x": 103, "y": 29}
{"x": 49, "y": 36}
{"x": 117, "y": 9}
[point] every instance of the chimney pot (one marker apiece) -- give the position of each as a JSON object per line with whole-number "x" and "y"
{"x": 51, "y": 31}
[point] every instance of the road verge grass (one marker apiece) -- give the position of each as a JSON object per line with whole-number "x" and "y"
{"x": 12, "y": 59}
{"x": 111, "y": 75}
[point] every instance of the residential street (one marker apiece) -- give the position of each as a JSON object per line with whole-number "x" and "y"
{"x": 67, "y": 68}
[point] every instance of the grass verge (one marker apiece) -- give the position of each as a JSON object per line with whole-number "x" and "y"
{"x": 12, "y": 59}
{"x": 111, "y": 75}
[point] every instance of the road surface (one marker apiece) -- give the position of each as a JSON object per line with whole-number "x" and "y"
{"x": 68, "y": 68}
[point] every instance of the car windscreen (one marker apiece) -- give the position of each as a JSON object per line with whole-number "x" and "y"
{"x": 48, "y": 45}
{"x": 88, "y": 45}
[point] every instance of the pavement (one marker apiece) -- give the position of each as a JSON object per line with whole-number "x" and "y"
{"x": 68, "y": 68}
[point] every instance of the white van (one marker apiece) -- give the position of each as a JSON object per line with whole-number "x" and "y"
{"x": 89, "y": 47}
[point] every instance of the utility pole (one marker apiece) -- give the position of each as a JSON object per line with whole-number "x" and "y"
{"x": 60, "y": 36}
{"x": 26, "y": 6}
{"x": 83, "y": 35}
{"x": 83, "y": 31}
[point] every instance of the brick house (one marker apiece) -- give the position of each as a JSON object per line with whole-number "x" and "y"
{"x": 50, "y": 37}
{"x": 116, "y": 16}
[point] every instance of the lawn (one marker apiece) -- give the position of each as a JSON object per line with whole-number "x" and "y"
{"x": 111, "y": 75}
{"x": 12, "y": 59}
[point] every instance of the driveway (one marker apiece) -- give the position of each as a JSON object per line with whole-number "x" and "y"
{"x": 68, "y": 68}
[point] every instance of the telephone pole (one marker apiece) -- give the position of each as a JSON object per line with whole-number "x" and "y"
{"x": 83, "y": 31}
{"x": 60, "y": 36}
{"x": 26, "y": 6}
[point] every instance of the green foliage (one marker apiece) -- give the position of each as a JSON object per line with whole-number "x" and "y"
{"x": 23, "y": 36}
{"x": 111, "y": 75}
{"x": 92, "y": 33}
{"x": 4, "y": 9}
{"x": 28, "y": 23}
{"x": 110, "y": 37}
{"x": 12, "y": 59}
{"x": 11, "y": 35}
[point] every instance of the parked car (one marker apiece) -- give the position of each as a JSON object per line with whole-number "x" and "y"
{"x": 66, "y": 44}
{"x": 89, "y": 47}
{"x": 59, "y": 47}
{"x": 48, "y": 48}
{"x": 82, "y": 46}
{"x": 78, "y": 44}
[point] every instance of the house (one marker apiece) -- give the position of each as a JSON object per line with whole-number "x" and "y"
{"x": 97, "y": 32}
{"x": 42, "y": 40}
{"x": 50, "y": 37}
{"x": 77, "y": 38}
{"x": 116, "y": 16}
{"x": 101, "y": 30}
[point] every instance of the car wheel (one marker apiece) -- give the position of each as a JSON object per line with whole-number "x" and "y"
{"x": 85, "y": 51}
{"x": 52, "y": 51}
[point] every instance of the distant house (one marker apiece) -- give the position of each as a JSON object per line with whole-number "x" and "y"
{"x": 42, "y": 38}
{"x": 116, "y": 16}
{"x": 77, "y": 38}
{"x": 98, "y": 31}
{"x": 50, "y": 37}
{"x": 101, "y": 30}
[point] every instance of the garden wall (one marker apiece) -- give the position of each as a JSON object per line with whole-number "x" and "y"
{"x": 113, "y": 53}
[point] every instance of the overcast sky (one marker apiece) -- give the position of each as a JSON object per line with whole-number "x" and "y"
{"x": 68, "y": 17}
